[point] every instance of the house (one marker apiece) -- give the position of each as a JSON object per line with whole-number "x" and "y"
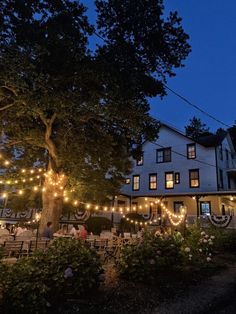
{"x": 178, "y": 171}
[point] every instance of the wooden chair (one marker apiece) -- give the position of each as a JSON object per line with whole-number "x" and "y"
{"x": 13, "y": 248}
{"x": 38, "y": 245}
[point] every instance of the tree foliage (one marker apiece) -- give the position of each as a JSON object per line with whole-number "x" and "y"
{"x": 84, "y": 111}
{"x": 196, "y": 128}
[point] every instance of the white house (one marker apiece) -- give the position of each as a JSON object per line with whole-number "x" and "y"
{"x": 200, "y": 175}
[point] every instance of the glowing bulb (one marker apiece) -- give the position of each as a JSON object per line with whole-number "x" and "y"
{"x": 16, "y": 181}
{"x": 55, "y": 194}
{"x": 88, "y": 206}
{"x": 31, "y": 171}
{"x": 35, "y": 188}
{"x": 6, "y": 163}
{"x": 4, "y": 195}
{"x": 146, "y": 199}
{"x": 23, "y": 170}
{"x": 43, "y": 189}
{"x": 75, "y": 202}
{"x": 23, "y": 180}
{"x": 66, "y": 199}
{"x": 96, "y": 207}
{"x": 20, "y": 192}
{"x": 31, "y": 179}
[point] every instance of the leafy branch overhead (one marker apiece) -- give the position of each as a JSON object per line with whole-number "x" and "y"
{"x": 83, "y": 110}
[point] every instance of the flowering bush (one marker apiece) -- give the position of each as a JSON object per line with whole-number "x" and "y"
{"x": 33, "y": 284}
{"x": 150, "y": 259}
{"x": 198, "y": 247}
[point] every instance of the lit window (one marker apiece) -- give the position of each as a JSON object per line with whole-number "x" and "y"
{"x": 194, "y": 178}
{"x": 136, "y": 182}
{"x": 205, "y": 208}
{"x": 191, "y": 151}
{"x": 177, "y": 178}
{"x": 177, "y": 206}
{"x": 163, "y": 155}
{"x": 153, "y": 181}
{"x": 169, "y": 180}
{"x": 127, "y": 181}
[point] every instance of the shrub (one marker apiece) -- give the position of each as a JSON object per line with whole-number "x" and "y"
{"x": 150, "y": 259}
{"x": 198, "y": 246}
{"x": 33, "y": 284}
{"x": 97, "y": 224}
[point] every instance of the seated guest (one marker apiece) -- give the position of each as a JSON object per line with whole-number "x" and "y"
{"x": 19, "y": 230}
{"x": 83, "y": 232}
{"x": 48, "y": 232}
{"x": 74, "y": 230}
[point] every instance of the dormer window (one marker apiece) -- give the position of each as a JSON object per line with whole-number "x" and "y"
{"x": 191, "y": 151}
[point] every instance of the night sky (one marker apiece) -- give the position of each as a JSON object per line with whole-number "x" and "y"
{"x": 208, "y": 79}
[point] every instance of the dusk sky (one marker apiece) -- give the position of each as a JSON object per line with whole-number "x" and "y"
{"x": 208, "y": 79}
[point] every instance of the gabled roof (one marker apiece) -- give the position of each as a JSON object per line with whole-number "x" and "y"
{"x": 209, "y": 140}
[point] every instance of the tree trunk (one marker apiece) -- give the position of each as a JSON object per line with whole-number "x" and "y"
{"x": 52, "y": 198}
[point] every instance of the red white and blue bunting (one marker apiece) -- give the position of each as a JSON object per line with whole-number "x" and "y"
{"x": 220, "y": 221}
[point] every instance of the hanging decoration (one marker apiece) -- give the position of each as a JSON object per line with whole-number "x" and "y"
{"x": 220, "y": 221}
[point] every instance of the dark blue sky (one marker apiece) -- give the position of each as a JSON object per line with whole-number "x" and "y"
{"x": 209, "y": 76}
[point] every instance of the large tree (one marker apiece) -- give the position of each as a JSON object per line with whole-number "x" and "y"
{"x": 196, "y": 128}
{"x": 81, "y": 113}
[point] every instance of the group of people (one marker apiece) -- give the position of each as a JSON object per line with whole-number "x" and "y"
{"x": 77, "y": 231}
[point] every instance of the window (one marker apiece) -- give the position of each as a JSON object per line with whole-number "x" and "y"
{"x": 221, "y": 179}
{"x": 177, "y": 178}
{"x": 163, "y": 155}
{"x": 152, "y": 181}
{"x": 139, "y": 161}
{"x": 191, "y": 151}
{"x": 136, "y": 182}
{"x": 177, "y": 206}
{"x": 205, "y": 208}
{"x": 127, "y": 181}
{"x": 169, "y": 180}
{"x": 227, "y": 154}
{"x": 194, "y": 178}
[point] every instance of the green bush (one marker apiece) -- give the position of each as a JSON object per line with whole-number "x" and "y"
{"x": 150, "y": 259}
{"x": 97, "y": 224}
{"x": 33, "y": 284}
{"x": 198, "y": 246}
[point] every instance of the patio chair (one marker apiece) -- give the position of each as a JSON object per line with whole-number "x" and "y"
{"x": 13, "y": 248}
{"x": 38, "y": 245}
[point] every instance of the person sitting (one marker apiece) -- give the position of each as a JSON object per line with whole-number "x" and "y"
{"x": 74, "y": 231}
{"x": 19, "y": 230}
{"x": 83, "y": 233}
{"x": 48, "y": 232}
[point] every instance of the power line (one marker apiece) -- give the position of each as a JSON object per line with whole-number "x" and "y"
{"x": 180, "y": 96}
{"x": 196, "y": 107}
{"x": 185, "y": 156}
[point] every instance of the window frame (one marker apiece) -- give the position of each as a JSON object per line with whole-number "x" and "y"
{"x": 133, "y": 182}
{"x": 172, "y": 173}
{"x": 189, "y": 152}
{"x": 190, "y": 179}
{"x": 164, "y": 150}
{"x": 205, "y": 202}
{"x": 181, "y": 203}
{"x": 150, "y": 182}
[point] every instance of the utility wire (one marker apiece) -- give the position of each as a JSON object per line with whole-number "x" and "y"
{"x": 180, "y": 96}
{"x": 185, "y": 156}
{"x": 196, "y": 107}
